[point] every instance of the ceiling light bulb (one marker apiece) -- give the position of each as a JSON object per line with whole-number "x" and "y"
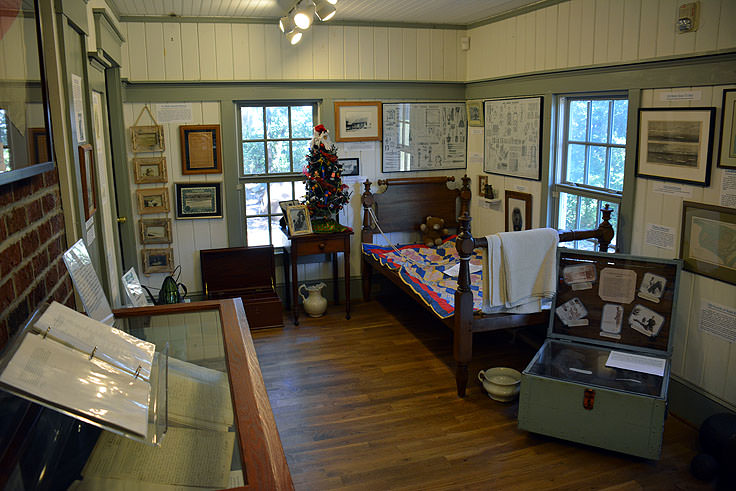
{"x": 333, "y": 2}
{"x": 303, "y": 15}
{"x": 324, "y": 10}
{"x": 294, "y": 37}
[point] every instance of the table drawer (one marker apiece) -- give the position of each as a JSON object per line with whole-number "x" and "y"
{"x": 324, "y": 246}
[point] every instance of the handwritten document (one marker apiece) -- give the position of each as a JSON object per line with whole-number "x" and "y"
{"x": 198, "y": 397}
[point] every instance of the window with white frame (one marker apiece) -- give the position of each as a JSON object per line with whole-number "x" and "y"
{"x": 589, "y": 164}
{"x": 274, "y": 140}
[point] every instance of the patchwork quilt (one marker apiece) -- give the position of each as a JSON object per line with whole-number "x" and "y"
{"x": 422, "y": 269}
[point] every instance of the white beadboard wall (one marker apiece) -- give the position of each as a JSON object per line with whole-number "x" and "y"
{"x": 156, "y": 51}
{"x": 582, "y": 33}
{"x": 189, "y": 236}
{"x": 700, "y": 358}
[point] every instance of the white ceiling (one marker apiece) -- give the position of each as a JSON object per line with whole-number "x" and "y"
{"x": 447, "y": 12}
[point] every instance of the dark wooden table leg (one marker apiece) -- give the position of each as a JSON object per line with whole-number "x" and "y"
{"x": 346, "y": 258}
{"x": 285, "y": 266}
{"x": 334, "y": 278}
{"x": 294, "y": 281}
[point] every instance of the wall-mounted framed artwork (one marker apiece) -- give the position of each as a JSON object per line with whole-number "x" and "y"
{"x": 155, "y": 230}
{"x": 150, "y": 170}
{"x": 708, "y": 240}
{"x": 727, "y": 151}
{"x": 87, "y": 172}
{"x": 518, "y": 211}
{"x": 201, "y": 149}
{"x": 147, "y": 138}
{"x": 350, "y": 167}
{"x": 475, "y": 113}
{"x": 152, "y": 200}
{"x": 513, "y": 149}
{"x": 38, "y": 147}
{"x": 357, "y": 121}
{"x": 675, "y": 144}
{"x": 198, "y": 200}
{"x": 158, "y": 260}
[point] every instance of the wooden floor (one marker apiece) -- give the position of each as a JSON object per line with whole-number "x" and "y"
{"x": 370, "y": 403}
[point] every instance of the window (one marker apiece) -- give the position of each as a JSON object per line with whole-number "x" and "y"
{"x": 590, "y": 160}
{"x": 275, "y": 140}
{"x": 5, "y": 164}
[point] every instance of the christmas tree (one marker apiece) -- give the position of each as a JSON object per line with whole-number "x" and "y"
{"x": 325, "y": 193}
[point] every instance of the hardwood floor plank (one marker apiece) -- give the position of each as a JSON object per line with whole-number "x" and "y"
{"x": 370, "y": 403}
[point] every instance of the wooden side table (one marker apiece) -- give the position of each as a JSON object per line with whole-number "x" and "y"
{"x": 304, "y": 245}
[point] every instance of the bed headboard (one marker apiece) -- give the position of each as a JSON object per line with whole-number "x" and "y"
{"x": 406, "y": 202}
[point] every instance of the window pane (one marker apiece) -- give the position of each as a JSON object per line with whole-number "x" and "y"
{"x": 280, "y": 191}
{"x": 616, "y": 172}
{"x": 252, "y": 123}
{"x": 277, "y": 122}
{"x": 302, "y": 123}
{"x": 588, "y": 213}
{"x": 300, "y": 190}
{"x": 599, "y": 122}
{"x": 278, "y": 237}
{"x": 257, "y": 231}
{"x": 568, "y": 218}
{"x": 576, "y": 163}
{"x": 620, "y": 113}
{"x": 300, "y": 149}
{"x": 597, "y": 166}
{"x": 255, "y": 199}
{"x": 254, "y": 158}
{"x": 578, "y": 120}
{"x": 278, "y": 157}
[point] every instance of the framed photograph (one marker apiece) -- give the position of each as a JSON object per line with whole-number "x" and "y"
{"x": 298, "y": 220}
{"x": 157, "y": 260}
{"x": 201, "y": 149}
{"x": 87, "y": 171}
{"x": 357, "y": 121}
{"x": 475, "y": 113}
{"x": 675, "y": 144}
{"x": 514, "y": 147}
{"x": 727, "y": 151}
{"x": 147, "y": 138}
{"x": 38, "y": 145}
{"x": 518, "y": 211}
{"x": 155, "y": 230}
{"x": 285, "y": 204}
{"x": 198, "y": 200}
{"x": 150, "y": 170}
{"x": 152, "y": 200}
{"x": 350, "y": 167}
{"x": 708, "y": 241}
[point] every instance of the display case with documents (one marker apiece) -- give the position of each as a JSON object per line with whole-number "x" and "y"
{"x": 601, "y": 376}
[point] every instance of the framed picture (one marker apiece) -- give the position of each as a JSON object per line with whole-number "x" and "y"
{"x": 357, "y": 121}
{"x": 675, "y": 144}
{"x": 708, "y": 240}
{"x": 727, "y": 151}
{"x": 350, "y": 167}
{"x": 147, "y": 138}
{"x": 285, "y": 204}
{"x": 518, "y": 211}
{"x": 87, "y": 171}
{"x": 298, "y": 220}
{"x": 152, "y": 200}
{"x": 157, "y": 260}
{"x": 201, "y": 149}
{"x": 150, "y": 170}
{"x": 155, "y": 230}
{"x": 475, "y": 113}
{"x": 513, "y": 148}
{"x": 38, "y": 146}
{"x": 198, "y": 200}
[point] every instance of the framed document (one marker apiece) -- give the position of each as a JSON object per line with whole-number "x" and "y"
{"x": 727, "y": 154}
{"x": 201, "y": 149}
{"x": 513, "y": 148}
{"x": 198, "y": 200}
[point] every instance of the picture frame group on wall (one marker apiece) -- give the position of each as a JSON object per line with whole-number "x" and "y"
{"x": 152, "y": 200}
{"x": 198, "y": 200}
{"x": 727, "y": 150}
{"x": 675, "y": 144}
{"x": 201, "y": 149}
{"x": 158, "y": 260}
{"x": 518, "y": 211}
{"x": 150, "y": 170}
{"x": 350, "y": 167}
{"x": 155, "y": 230}
{"x": 475, "y": 113}
{"x": 87, "y": 173}
{"x": 357, "y": 121}
{"x": 708, "y": 240}
{"x": 298, "y": 220}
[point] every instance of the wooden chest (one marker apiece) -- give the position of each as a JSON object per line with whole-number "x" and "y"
{"x": 605, "y": 303}
{"x": 248, "y": 273}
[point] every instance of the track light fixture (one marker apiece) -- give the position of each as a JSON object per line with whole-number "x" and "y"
{"x": 300, "y": 17}
{"x": 303, "y": 14}
{"x": 294, "y": 36}
{"x": 324, "y": 10}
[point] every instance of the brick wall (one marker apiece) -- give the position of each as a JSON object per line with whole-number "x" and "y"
{"x": 32, "y": 242}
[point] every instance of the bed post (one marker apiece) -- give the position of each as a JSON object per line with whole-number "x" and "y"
{"x": 366, "y": 236}
{"x": 465, "y": 195}
{"x": 463, "y": 318}
{"x": 605, "y": 228}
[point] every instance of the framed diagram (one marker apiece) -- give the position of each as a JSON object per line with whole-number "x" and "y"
{"x": 158, "y": 260}
{"x": 152, "y": 200}
{"x": 708, "y": 240}
{"x": 201, "y": 149}
{"x": 675, "y": 144}
{"x": 438, "y": 136}
{"x": 198, "y": 200}
{"x": 513, "y": 148}
{"x": 155, "y": 230}
{"x": 727, "y": 150}
{"x": 150, "y": 170}
{"x": 87, "y": 172}
{"x": 518, "y": 211}
{"x": 357, "y": 121}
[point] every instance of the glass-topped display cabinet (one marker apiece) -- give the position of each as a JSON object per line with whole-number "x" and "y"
{"x": 220, "y": 430}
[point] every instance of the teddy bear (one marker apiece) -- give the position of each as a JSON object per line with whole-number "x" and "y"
{"x": 432, "y": 231}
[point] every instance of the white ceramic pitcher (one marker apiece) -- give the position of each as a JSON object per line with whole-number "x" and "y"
{"x": 315, "y": 304}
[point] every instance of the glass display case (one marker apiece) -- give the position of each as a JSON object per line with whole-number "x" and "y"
{"x": 220, "y": 432}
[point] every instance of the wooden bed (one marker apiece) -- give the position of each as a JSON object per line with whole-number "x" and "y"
{"x": 402, "y": 207}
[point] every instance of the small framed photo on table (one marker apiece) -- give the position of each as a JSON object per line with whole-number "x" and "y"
{"x": 357, "y": 121}
{"x": 150, "y": 170}
{"x": 201, "y": 149}
{"x": 350, "y": 167}
{"x": 155, "y": 231}
{"x": 158, "y": 260}
{"x": 153, "y": 200}
{"x": 297, "y": 218}
{"x": 198, "y": 200}
{"x": 518, "y": 211}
